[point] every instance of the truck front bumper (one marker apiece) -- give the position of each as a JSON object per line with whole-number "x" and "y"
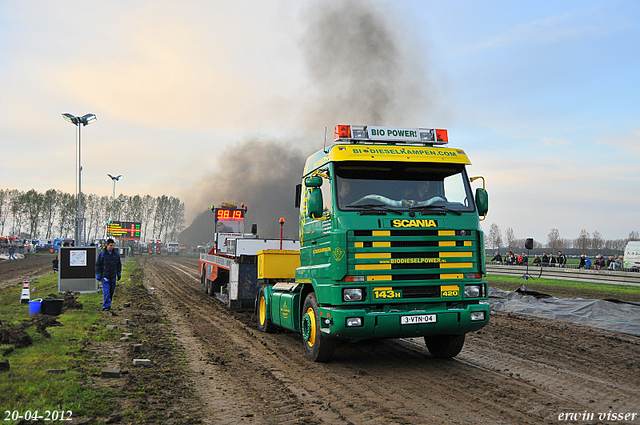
{"x": 419, "y": 320}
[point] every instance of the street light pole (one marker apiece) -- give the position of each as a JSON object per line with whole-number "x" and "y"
{"x": 113, "y": 200}
{"x": 84, "y": 120}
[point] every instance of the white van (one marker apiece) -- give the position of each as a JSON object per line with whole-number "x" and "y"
{"x": 632, "y": 256}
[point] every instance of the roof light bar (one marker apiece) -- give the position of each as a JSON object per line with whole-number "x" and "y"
{"x": 342, "y": 132}
{"x": 358, "y": 133}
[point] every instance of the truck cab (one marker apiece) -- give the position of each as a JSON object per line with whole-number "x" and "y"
{"x": 173, "y": 248}
{"x": 390, "y": 244}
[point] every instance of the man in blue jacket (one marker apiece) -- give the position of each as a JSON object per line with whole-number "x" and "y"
{"x": 108, "y": 269}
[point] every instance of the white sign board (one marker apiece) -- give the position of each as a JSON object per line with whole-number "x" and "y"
{"x": 78, "y": 258}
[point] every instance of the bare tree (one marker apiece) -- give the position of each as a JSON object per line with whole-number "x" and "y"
{"x": 162, "y": 217}
{"x": 32, "y": 203}
{"x": 553, "y": 240}
{"x": 50, "y": 208}
{"x": 68, "y": 210}
{"x": 612, "y": 245}
{"x": 103, "y": 216}
{"x": 633, "y": 236}
{"x": 136, "y": 207}
{"x": 512, "y": 242}
{"x": 584, "y": 240}
{"x": 495, "y": 236}
{"x": 596, "y": 240}
{"x": 176, "y": 218}
{"x": 17, "y": 212}
{"x": 95, "y": 225}
{"x": 53, "y": 214}
{"x": 148, "y": 209}
{"x": 5, "y": 203}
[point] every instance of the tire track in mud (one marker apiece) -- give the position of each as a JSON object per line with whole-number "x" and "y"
{"x": 232, "y": 369}
{"x": 499, "y": 377}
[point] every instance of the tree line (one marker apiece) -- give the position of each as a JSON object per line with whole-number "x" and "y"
{"x": 584, "y": 242}
{"x": 53, "y": 214}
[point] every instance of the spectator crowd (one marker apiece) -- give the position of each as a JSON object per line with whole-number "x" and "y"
{"x": 560, "y": 260}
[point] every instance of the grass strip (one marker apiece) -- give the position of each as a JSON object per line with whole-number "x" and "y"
{"x": 27, "y": 386}
{"x": 567, "y": 288}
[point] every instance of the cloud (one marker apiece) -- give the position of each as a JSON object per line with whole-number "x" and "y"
{"x": 552, "y": 29}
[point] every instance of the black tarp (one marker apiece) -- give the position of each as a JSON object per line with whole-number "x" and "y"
{"x": 614, "y": 315}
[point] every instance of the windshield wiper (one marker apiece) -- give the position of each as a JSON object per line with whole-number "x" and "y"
{"x": 374, "y": 207}
{"x": 433, "y": 207}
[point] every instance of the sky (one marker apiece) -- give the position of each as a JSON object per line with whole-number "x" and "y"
{"x": 542, "y": 96}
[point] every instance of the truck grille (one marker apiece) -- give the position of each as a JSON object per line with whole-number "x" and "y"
{"x": 412, "y": 256}
{"x": 420, "y": 291}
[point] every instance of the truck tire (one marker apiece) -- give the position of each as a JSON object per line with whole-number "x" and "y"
{"x": 264, "y": 323}
{"x": 316, "y": 346}
{"x": 444, "y": 346}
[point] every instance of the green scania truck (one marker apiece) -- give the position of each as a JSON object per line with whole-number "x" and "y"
{"x": 390, "y": 245}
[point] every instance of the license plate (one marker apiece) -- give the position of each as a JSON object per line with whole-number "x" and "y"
{"x": 416, "y": 320}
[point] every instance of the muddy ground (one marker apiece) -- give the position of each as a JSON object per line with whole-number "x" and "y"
{"x": 212, "y": 366}
{"x": 28, "y": 269}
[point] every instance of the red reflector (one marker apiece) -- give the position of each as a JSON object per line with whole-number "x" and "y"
{"x": 349, "y": 279}
{"x": 442, "y": 136}
{"x": 342, "y": 132}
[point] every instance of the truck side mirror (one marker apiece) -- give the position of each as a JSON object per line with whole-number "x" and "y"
{"x": 482, "y": 202}
{"x": 314, "y": 203}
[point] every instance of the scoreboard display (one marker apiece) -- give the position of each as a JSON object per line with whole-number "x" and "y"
{"x": 124, "y": 230}
{"x": 229, "y": 214}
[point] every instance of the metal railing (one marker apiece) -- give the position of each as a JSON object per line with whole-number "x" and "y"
{"x": 580, "y": 275}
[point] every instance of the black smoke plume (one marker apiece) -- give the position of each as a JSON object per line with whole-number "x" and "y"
{"x": 364, "y": 66}
{"x": 361, "y": 71}
{"x": 263, "y": 175}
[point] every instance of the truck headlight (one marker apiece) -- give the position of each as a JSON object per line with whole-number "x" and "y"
{"x": 354, "y": 322}
{"x": 352, "y": 294}
{"x": 473, "y": 291}
{"x": 477, "y": 316}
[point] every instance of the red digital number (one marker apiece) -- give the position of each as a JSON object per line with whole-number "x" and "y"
{"x": 229, "y": 214}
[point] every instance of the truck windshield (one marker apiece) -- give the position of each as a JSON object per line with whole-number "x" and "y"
{"x": 402, "y": 186}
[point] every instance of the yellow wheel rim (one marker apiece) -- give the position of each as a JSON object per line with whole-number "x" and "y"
{"x": 312, "y": 327}
{"x": 263, "y": 311}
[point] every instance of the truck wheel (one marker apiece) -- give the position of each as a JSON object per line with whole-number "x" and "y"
{"x": 264, "y": 323}
{"x": 316, "y": 346}
{"x": 444, "y": 346}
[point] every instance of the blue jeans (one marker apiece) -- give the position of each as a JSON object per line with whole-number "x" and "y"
{"x": 108, "y": 288}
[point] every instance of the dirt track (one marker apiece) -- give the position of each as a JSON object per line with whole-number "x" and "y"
{"x": 30, "y": 268}
{"x": 518, "y": 370}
